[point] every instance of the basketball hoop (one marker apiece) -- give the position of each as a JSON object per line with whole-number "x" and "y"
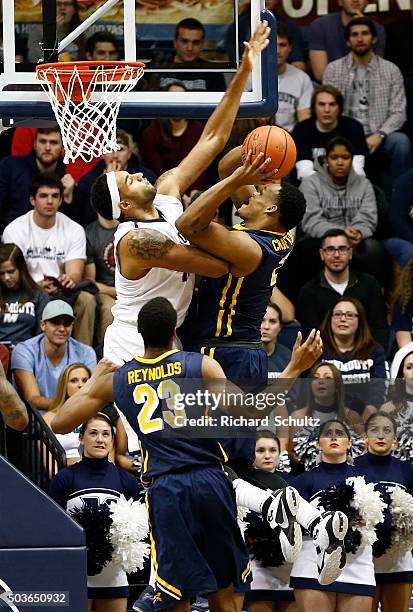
{"x": 86, "y": 97}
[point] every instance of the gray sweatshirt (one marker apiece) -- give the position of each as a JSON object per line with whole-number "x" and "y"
{"x": 338, "y": 206}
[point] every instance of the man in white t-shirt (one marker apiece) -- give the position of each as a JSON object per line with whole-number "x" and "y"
{"x": 294, "y": 85}
{"x": 54, "y": 248}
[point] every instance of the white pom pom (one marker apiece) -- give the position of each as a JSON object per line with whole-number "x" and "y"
{"x": 128, "y": 530}
{"x": 401, "y": 508}
{"x": 369, "y": 506}
{"x": 241, "y": 516}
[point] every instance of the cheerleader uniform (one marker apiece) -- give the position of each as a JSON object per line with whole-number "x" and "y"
{"x": 357, "y": 577}
{"x": 388, "y": 472}
{"x": 271, "y": 583}
{"x": 96, "y": 482}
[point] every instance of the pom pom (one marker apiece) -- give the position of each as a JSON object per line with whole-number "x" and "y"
{"x": 96, "y": 522}
{"x": 263, "y": 542}
{"x": 401, "y": 509}
{"x": 242, "y": 513}
{"x": 284, "y": 464}
{"x": 370, "y": 507}
{"x": 127, "y": 533}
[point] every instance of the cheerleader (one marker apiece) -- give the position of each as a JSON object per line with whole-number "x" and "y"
{"x": 355, "y": 587}
{"x": 269, "y": 587}
{"x": 95, "y": 480}
{"x": 394, "y": 577}
{"x": 400, "y": 404}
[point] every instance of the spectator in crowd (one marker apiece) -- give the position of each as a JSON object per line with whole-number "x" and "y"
{"x": 325, "y": 399}
{"x": 298, "y": 55}
{"x": 294, "y": 85}
{"x": 38, "y": 362}
{"x": 67, "y": 19}
{"x": 354, "y": 588}
{"x": 327, "y": 36}
{"x": 100, "y": 268}
{"x": 349, "y": 345}
{"x": 17, "y": 174}
{"x": 12, "y": 410}
{"x": 21, "y": 299}
{"x": 337, "y": 197}
{"x": 337, "y": 278}
{"x": 189, "y": 42}
{"x": 54, "y": 248}
{"x": 165, "y": 143}
{"x": 102, "y": 46}
{"x": 278, "y": 355}
{"x": 402, "y": 320}
{"x": 326, "y": 122}
{"x": 72, "y": 378}
{"x": 400, "y": 394}
{"x": 400, "y": 214}
{"x": 123, "y": 159}
{"x": 374, "y": 94}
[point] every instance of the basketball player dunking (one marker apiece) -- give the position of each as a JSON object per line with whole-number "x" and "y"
{"x": 152, "y": 258}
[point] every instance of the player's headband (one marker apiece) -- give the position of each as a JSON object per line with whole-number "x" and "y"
{"x": 114, "y": 194}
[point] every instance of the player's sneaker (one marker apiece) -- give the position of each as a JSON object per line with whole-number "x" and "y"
{"x": 144, "y": 603}
{"x": 328, "y": 536}
{"x": 280, "y": 510}
{"x": 200, "y": 605}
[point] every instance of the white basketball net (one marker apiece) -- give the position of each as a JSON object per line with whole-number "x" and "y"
{"x": 88, "y": 127}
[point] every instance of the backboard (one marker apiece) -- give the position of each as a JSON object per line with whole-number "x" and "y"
{"x": 145, "y": 30}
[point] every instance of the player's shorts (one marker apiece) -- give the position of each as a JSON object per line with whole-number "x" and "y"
{"x": 248, "y": 368}
{"x": 122, "y": 342}
{"x": 197, "y": 546}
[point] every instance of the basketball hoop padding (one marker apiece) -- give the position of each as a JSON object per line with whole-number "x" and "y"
{"x": 85, "y": 98}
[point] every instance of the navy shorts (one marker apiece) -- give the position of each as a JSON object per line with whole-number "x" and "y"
{"x": 248, "y": 368}
{"x": 197, "y": 546}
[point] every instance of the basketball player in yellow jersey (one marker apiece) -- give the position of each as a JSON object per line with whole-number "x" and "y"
{"x": 150, "y": 253}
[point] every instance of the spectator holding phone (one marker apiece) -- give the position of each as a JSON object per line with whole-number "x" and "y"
{"x": 21, "y": 299}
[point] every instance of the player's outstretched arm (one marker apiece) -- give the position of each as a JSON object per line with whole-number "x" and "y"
{"x": 91, "y": 398}
{"x": 143, "y": 249}
{"x": 218, "y": 127}
{"x": 196, "y": 222}
{"x": 12, "y": 409}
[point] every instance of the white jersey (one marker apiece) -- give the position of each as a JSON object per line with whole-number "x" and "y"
{"x": 122, "y": 341}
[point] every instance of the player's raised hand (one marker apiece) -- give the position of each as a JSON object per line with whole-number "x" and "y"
{"x": 305, "y": 354}
{"x": 257, "y": 43}
{"x": 255, "y": 172}
{"x": 104, "y": 366}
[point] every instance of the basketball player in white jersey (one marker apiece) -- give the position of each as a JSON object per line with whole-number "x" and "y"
{"x": 152, "y": 258}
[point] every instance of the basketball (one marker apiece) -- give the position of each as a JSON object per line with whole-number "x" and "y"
{"x": 274, "y": 142}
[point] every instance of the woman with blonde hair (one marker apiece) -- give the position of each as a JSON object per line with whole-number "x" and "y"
{"x": 72, "y": 378}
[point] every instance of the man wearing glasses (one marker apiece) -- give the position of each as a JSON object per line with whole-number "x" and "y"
{"x": 337, "y": 279}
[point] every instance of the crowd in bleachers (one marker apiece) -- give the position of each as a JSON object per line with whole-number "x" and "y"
{"x": 346, "y": 95}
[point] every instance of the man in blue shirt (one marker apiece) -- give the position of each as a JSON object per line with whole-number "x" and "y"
{"x": 38, "y": 362}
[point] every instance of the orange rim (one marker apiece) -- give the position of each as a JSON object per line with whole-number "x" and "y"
{"x": 85, "y": 69}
